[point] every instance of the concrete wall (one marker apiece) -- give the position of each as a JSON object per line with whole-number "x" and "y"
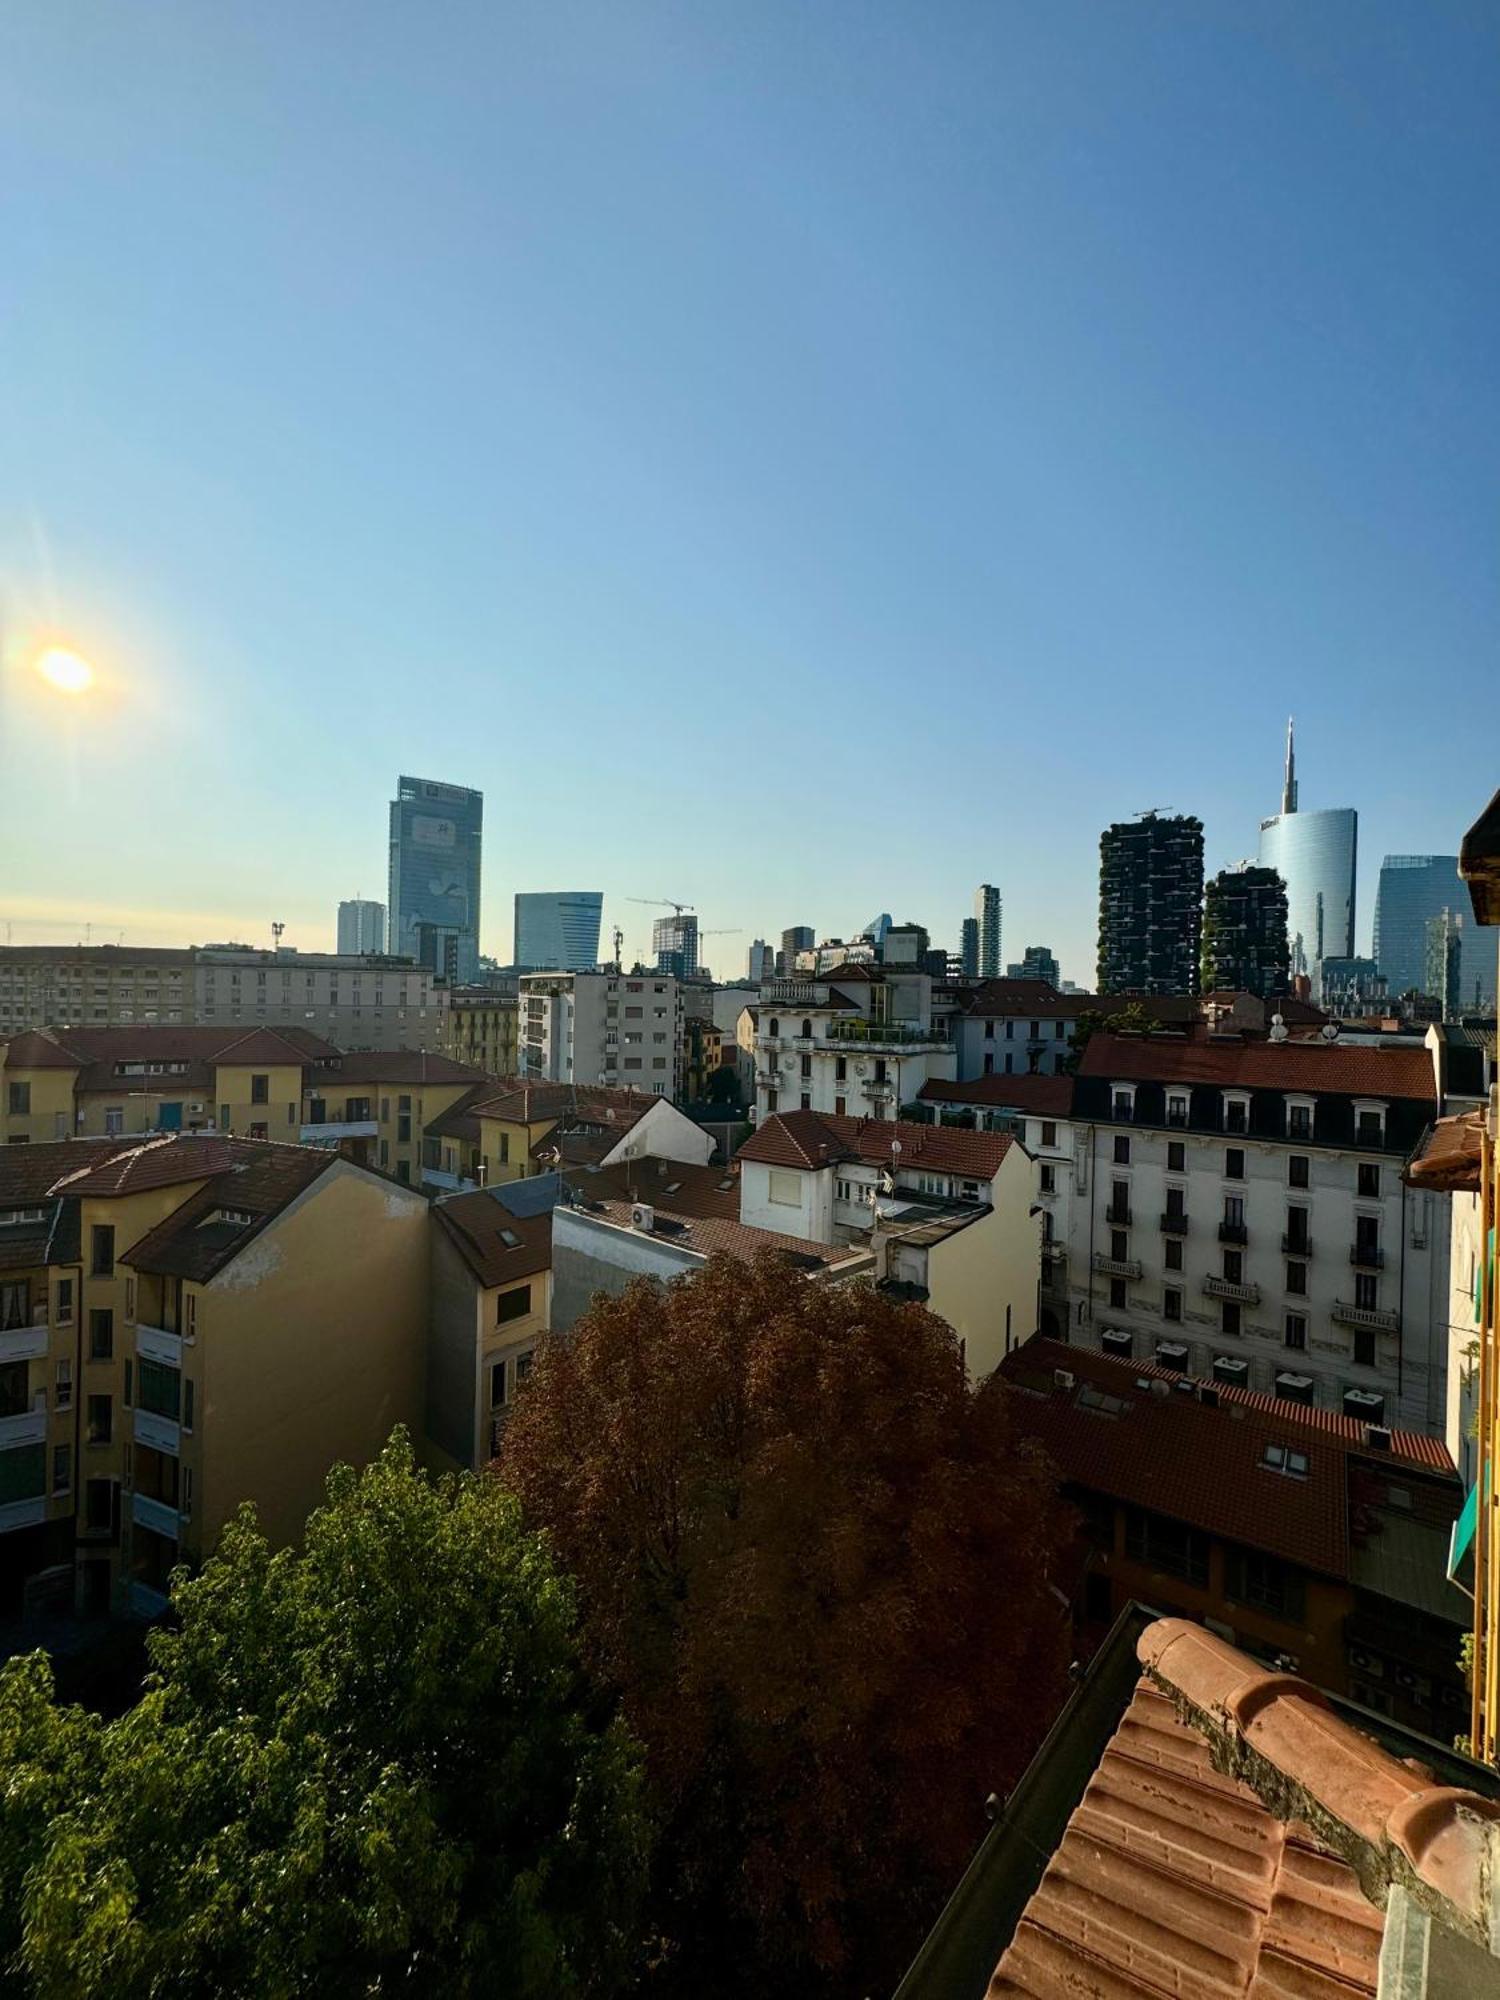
{"x": 810, "y": 1217}
{"x": 591, "y": 1256}
{"x": 983, "y": 1279}
{"x": 453, "y": 1334}
{"x": 51, "y": 1113}
{"x": 311, "y": 1347}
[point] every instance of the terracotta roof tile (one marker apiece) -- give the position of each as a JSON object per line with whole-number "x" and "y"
{"x": 478, "y": 1225}
{"x": 1172, "y": 1880}
{"x": 1203, "y": 1465}
{"x": 1450, "y": 1155}
{"x": 38, "y": 1048}
{"x": 520, "y": 1103}
{"x": 257, "y": 1177}
{"x": 27, "y": 1173}
{"x": 693, "y": 1192}
{"x": 154, "y": 1163}
{"x": 1347, "y": 1069}
{"x": 1047, "y": 1096}
{"x": 816, "y": 1139}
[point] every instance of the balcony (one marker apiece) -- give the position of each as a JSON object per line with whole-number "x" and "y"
{"x": 1233, "y": 1232}
{"x": 1174, "y": 1225}
{"x": 29, "y": 1512}
{"x": 878, "y": 1087}
{"x": 1054, "y": 1253}
{"x": 157, "y": 1515}
{"x": 768, "y": 1079}
{"x": 1119, "y": 1217}
{"x": 794, "y": 993}
{"x": 330, "y": 1131}
{"x": 1375, "y": 1319}
{"x": 887, "y": 1035}
{"x": 436, "y": 1177}
{"x": 156, "y": 1344}
{"x": 1366, "y": 1257}
{"x": 1226, "y": 1288}
{"x": 161, "y": 1433}
{"x": 144, "y": 1602}
{"x": 28, "y": 1427}
{"x": 23, "y": 1343}
{"x": 1117, "y": 1267}
{"x": 1296, "y": 1246}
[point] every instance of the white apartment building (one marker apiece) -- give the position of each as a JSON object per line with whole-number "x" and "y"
{"x": 622, "y": 1029}
{"x": 1017, "y": 1027}
{"x": 1237, "y": 1211}
{"x": 859, "y": 1043}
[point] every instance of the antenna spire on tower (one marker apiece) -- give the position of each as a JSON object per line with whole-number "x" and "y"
{"x": 1289, "y": 784}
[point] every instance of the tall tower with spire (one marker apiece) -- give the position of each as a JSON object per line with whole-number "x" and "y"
{"x": 1314, "y": 854}
{"x": 1289, "y": 783}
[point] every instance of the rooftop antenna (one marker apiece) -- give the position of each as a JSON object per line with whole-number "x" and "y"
{"x": 276, "y": 930}
{"x": 1289, "y": 783}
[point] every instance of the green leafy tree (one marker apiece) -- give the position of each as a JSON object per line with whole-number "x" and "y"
{"x": 724, "y": 1087}
{"x": 366, "y": 1765}
{"x": 1131, "y": 1019}
{"x": 815, "y": 1564}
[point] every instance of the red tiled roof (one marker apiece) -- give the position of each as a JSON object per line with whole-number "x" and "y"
{"x": 259, "y": 1180}
{"x": 38, "y": 1048}
{"x": 400, "y": 1066}
{"x": 1048, "y": 1096}
{"x": 1202, "y": 1465}
{"x": 28, "y": 1173}
{"x": 155, "y": 1162}
{"x": 677, "y": 1188}
{"x": 477, "y": 1226}
{"x": 816, "y": 1139}
{"x": 1451, "y": 1155}
{"x": 458, "y": 1121}
{"x": 533, "y": 1103}
{"x": 1346, "y": 1068}
{"x": 1173, "y": 1880}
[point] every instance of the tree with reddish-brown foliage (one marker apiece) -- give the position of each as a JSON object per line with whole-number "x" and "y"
{"x": 815, "y": 1566}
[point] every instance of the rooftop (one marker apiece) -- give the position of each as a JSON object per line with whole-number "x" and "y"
{"x": 703, "y": 1235}
{"x": 498, "y": 1246}
{"x": 1343, "y": 1068}
{"x": 1450, "y": 1156}
{"x": 816, "y": 1139}
{"x": 257, "y": 1179}
{"x": 1047, "y": 1096}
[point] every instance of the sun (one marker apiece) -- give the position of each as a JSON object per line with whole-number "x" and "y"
{"x": 67, "y": 671}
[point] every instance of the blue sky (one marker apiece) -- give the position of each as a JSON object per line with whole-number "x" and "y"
{"x": 800, "y": 460}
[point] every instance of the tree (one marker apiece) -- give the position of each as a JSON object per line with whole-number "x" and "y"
{"x": 814, "y": 1563}
{"x": 724, "y": 1087}
{"x": 1131, "y": 1019}
{"x": 366, "y": 1765}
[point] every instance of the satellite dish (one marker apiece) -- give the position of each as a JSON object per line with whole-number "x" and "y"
{"x": 1330, "y": 1031}
{"x": 1278, "y": 1028}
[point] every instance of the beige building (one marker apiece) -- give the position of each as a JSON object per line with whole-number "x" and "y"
{"x": 480, "y": 1029}
{"x": 46, "y": 985}
{"x": 490, "y": 1136}
{"x": 188, "y": 1322}
{"x": 491, "y": 1302}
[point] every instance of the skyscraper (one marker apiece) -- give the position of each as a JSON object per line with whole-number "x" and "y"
{"x": 674, "y": 940}
{"x": 1245, "y": 946}
{"x": 361, "y": 926}
{"x": 798, "y": 938}
{"x": 557, "y": 930}
{"x": 1413, "y": 889}
{"x": 437, "y": 834}
{"x": 1314, "y": 854}
{"x": 1038, "y": 961}
{"x": 761, "y": 962}
{"x": 968, "y": 947}
{"x": 987, "y": 916}
{"x": 1150, "y": 904}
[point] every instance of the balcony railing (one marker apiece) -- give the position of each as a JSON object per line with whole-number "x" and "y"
{"x": 25, "y": 1427}
{"x": 794, "y": 993}
{"x": 27, "y": 1512}
{"x": 1366, "y": 1257}
{"x": 1233, "y": 1232}
{"x": 887, "y": 1034}
{"x": 1117, "y": 1267}
{"x": 157, "y": 1344}
{"x": 155, "y": 1514}
{"x": 1120, "y": 1217}
{"x": 1296, "y": 1246}
{"x": 1376, "y": 1318}
{"x": 878, "y": 1086}
{"x": 768, "y": 1079}
{"x": 1174, "y": 1225}
{"x": 161, "y": 1433}
{"x": 1226, "y": 1288}
{"x": 23, "y": 1343}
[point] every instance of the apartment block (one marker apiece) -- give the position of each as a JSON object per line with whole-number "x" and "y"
{"x": 358, "y": 1001}
{"x": 602, "y": 1028}
{"x": 491, "y": 1303}
{"x": 190, "y": 1322}
{"x": 863, "y": 1040}
{"x": 481, "y": 1028}
{"x": 1245, "y": 948}
{"x": 104, "y": 984}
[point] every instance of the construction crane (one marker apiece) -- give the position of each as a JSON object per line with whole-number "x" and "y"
{"x": 660, "y": 902}
{"x": 725, "y": 930}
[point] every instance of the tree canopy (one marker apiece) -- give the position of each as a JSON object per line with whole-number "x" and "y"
{"x": 814, "y": 1563}
{"x": 366, "y": 1764}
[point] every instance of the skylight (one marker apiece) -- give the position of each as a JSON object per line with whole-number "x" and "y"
{"x": 1286, "y": 1459}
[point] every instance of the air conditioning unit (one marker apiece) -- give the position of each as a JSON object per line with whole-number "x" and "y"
{"x": 643, "y": 1216}
{"x": 1378, "y": 1437}
{"x": 1367, "y": 1663}
{"x": 195, "y": 1111}
{"x": 1063, "y": 1378}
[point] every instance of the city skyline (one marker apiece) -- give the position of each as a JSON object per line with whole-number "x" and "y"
{"x": 1191, "y": 432}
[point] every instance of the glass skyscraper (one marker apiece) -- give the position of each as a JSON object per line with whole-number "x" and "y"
{"x": 436, "y": 837}
{"x": 1414, "y": 888}
{"x": 557, "y": 930}
{"x": 1314, "y": 853}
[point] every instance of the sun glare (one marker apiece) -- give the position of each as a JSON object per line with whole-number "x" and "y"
{"x": 69, "y": 672}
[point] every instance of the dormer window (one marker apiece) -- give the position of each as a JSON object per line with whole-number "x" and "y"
{"x": 1369, "y": 1122}
{"x": 1299, "y": 1118}
{"x": 1177, "y": 1107}
{"x": 1122, "y": 1100}
{"x": 1236, "y": 1112}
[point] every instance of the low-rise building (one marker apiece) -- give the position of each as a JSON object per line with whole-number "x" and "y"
{"x": 493, "y": 1136}
{"x": 357, "y": 1000}
{"x": 861, "y": 1041}
{"x": 481, "y": 1029}
{"x": 192, "y": 1321}
{"x": 491, "y": 1303}
{"x": 46, "y": 985}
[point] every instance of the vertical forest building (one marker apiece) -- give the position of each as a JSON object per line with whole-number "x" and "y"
{"x": 1150, "y": 904}
{"x": 1245, "y": 947}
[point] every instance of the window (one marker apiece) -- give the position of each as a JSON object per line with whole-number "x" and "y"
{"x": 1366, "y": 1291}
{"x": 514, "y": 1304}
{"x": 1166, "y": 1545}
{"x": 1171, "y": 1303}
{"x": 1298, "y": 1240}
{"x": 1119, "y": 1245}
{"x": 129, "y": 1381}
{"x": 223, "y": 1117}
{"x": 260, "y": 1090}
{"x": 101, "y": 1334}
{"x": 1229, "y": 1316}
{"x": 1177, "y": 1109}
{"x": 805, "y": 1064}
{"x": 1234, "y": 1267}
{"x": 20, "y": 1099}
{"x": 1263, "y": 1584}
{"x": 1172, "y": 1252}
{"x": 785, "y": 1189}
{"x": 1369, "y": 1127}
{"x": 840, "y": 1107}
{"x": 840, "y": 1069}
{"x": 1236, "y": 1114}
{"x": 1369, "y": 1182}
{"x": 101, "y": 1424}
{"x": 403, "y": 1129}
{"x": 1299, "y": 1121}
{"x": 804, "y": 1101}
{"x": 188, "y": 1401}
{"x": 1176, "y": 1157}
{"x": 1296, "y": 1280}
{"x": 1364, "y": 1347}
{"x": 1122, "y": 1151}
{"x": 1117, "y": 1294}
{"x": 64, "y": 1381}
{"x": 62, "y": 1468}
{"x": 1119, "y": 1202}
{"x": 158, "y": 1388}
{"x": 1048, "y": 1179}
{"x": 1296, "y": 1171}
{"x": 1234, "y": 1164}
{"x": 99, "y": 1506}
{"x": 1049, "y": 1132}
{"x": 1296, "y": 1330}
{"x": 989, "y": 1031}
{"x": 1123, "y": 1103}
{"x": 260, "y": 1131}
{"x": 102, "y": 1250}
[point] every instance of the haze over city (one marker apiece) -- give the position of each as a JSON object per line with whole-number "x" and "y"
{"x": 799, "y": 463}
